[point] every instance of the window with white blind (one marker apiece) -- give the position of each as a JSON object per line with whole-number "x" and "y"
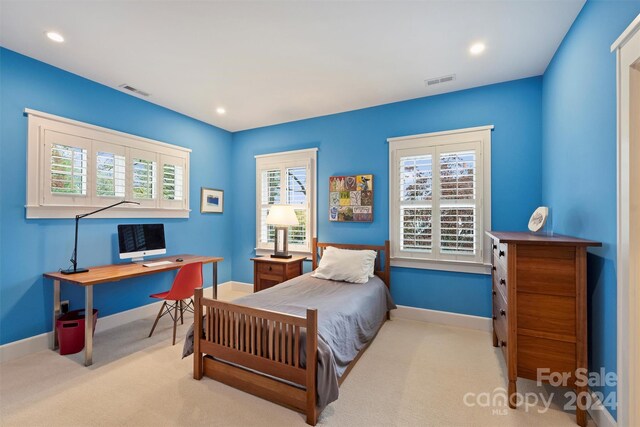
{"x": 75, "y": 167}
{"x": 110, "y": 174}
{"x": 440, "y": 200}
{"x": 286, "y": 178}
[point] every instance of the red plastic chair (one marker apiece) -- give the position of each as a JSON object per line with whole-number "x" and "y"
{"x": 189, "y": 278}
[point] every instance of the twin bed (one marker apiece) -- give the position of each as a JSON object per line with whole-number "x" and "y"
{"x": 294, "y": 343}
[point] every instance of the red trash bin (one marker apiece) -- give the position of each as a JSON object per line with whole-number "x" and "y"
{"x": 70, "y": 327}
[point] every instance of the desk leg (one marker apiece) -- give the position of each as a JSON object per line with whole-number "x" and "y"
{"x": 215, "y": 280}
{"x": 88, "y": 325}
{"x": 56, "y": 313}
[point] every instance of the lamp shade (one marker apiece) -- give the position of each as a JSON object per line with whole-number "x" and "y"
{"x": 282, "y": 215}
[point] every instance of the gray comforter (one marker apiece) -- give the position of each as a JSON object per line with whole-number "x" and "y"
{"x": 348, "y": 317}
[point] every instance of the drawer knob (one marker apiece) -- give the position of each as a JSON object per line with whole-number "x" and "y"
{"x": 501, "y": 254}
{"x": 494, "y": 317}
{"x": 493, "y": 293}
{"x": 270, "y": 268}
{"x": 494, "y": 268}
{"x": 503, "y": 343}
{"x": 503, "y": 282}
{"x": 503, "y": 313}
{"x": 495, "y": 247}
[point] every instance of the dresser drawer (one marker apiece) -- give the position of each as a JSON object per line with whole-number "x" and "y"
{"x": 271, "y": 269}
{"x": 499, "y": 277}
{"x": 500, "y": 323}
{"x": 500, "y": 308}
{"x": 500, "y": 252}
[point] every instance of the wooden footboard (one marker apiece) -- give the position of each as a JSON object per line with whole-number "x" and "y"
{"x": 268, "y": 342}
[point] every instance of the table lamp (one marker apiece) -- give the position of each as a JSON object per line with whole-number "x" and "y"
{"x": 282, "y": 216}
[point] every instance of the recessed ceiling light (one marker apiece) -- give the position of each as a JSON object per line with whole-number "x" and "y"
{"x": 477, "y": 48}
{"x": 56, "y": 37}
{"x": 220, "y": 110}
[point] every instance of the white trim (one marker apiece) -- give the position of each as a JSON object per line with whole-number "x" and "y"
{"x": 628, "y": 250}
{"x": 89, "y": 126}
{"x": 442, "y": 317}
{"x": 45, "y": 129}
{"x": 480, "y": 139}
{"x": 307, "y": 158}
{"x": 286, "y": 153}
{"x": 599, "y": 413}
{"x": 63, "y": 212}
{"x": 41, "y": 342}
{"x": 626, "y": 34}
{"x": 267, "y": 252}
{"x": 443, "y": 265}
{"x": 441, "y": 133}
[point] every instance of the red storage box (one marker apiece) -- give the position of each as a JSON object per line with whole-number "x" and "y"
{"x": 70, "y": 327}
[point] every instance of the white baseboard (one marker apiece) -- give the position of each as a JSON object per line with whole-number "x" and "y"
{"x": 16, "y": 349}
{"x": 600, "y": 414}
{"x": 442, "y": 317}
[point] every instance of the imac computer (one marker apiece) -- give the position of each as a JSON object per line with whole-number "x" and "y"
{"x": 139, "y": 240}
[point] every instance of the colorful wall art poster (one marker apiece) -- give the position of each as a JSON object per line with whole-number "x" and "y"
{"x": 351, "y": 198}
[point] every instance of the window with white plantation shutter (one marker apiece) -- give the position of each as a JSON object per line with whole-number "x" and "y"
{"x": 172, "y": 177}
{"x": 270, "y": 196}
{"x": 144, "y": 179}
{"x": 458, "y": 228}
{"x": 286, "y": 178}
{"x": 75, "y": 168}
{"x": 416, "y": 187}
{"x": 68, "y": 170}
{"x": 110, "y": 174}
{"x": 440, "y": 200}
{"x": 297, "y": 196}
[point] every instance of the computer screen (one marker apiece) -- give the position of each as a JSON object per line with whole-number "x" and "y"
{"x": 138, "y": 240}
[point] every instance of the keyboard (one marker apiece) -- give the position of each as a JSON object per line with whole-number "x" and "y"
{"x": 156, "y": 264}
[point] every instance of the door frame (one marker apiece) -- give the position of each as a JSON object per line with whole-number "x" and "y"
{"x": 627, "y": 48}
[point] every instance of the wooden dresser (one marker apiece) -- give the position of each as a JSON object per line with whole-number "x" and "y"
{"x": 268, "y": 272}
{"x": 540, "y": 305}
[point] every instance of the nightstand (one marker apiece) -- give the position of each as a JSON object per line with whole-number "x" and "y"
{"x": 268, "y": 272}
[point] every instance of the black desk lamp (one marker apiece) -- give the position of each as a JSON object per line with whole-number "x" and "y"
{"x": 74, "y": 257}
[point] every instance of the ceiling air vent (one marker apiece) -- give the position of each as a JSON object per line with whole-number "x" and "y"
{"x": 438, "y": 80}
{"x": 133, "y": 89}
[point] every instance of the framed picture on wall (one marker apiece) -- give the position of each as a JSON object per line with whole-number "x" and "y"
{"x": 351, "y": 198}
{"x": 211, "y": 200}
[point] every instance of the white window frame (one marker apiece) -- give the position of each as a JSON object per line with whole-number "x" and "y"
{"x": 283, "y": 160}
{"x": 41, "y": 203}
{"x": 436, "y": 143}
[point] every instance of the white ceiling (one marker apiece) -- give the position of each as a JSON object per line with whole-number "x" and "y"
{"x": 271, "y": 62}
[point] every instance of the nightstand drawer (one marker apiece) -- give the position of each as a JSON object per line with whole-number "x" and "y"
{"x": 269, "y": 268}
{"x": 268, "y": 272}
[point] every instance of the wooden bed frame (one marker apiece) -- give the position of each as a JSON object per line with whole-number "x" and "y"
{"x": 257, "y": 350}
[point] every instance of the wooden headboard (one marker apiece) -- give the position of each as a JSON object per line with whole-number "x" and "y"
{"x": 381, "y": 270}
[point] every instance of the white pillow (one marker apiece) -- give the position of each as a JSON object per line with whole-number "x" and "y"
{"x": 346, "y": 265}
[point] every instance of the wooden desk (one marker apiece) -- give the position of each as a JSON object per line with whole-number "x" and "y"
{"x": 114, "y": 273}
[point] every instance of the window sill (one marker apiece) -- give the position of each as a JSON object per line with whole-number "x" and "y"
{"x": 61, "y": 212}
{"x": 266, "y": 252}
{"x": 456, "y": 266}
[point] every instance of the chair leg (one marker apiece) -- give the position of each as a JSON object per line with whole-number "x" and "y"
{"x": 164, "y": 303}
{"x": 175, "y": 322}
{"x": 181, "y": 312}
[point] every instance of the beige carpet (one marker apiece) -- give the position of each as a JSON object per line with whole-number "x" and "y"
{"x": 414, "y": 374}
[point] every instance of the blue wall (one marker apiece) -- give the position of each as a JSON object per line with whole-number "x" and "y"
{"x": 579, "y": 157}
{"x": 355, "y": 142}
{"x": 29, "y": 248}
